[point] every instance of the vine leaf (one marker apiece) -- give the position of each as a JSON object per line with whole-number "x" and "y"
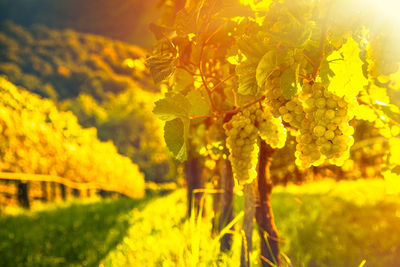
{"x": 252, "y": 46}
{"x": 199, "y": 106}
{"x": 171, "y": 107}
{"x": 160, "y": 31}
{"x": 161, "y": 67}
{"x": 391, "y": 111}
{"x": 288, "y": 83}
{"x": 325, "y": 73}
{"x": 365, "y": 112}
{"x": 265, "y": 67}
{"x": 346, "y": 66}
{"x": 247, "y": 77}
{"x": 183, "y": 80}
{"x": 175, "y": 135}
{"x": 396, "y": 170}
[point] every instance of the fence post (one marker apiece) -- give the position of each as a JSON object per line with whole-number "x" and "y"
{"x": 23, "y": 198}
{"x": 75, "y": 192}
{"x": 63, "y": 193}
{"x": 53, "y": 191}
{"x": 43, "y": 185}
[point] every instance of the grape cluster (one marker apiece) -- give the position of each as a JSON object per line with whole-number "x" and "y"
{"x": 242, "y": 132}
{"x": 271, "y": 129}
{"x": 325, "y": 133}
{"x": 241, "y": 139}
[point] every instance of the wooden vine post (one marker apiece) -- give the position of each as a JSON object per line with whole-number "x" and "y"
{"x": 23, "y": 194}
{"x": 194, "y": 180}
{"x": 269, "y": 238}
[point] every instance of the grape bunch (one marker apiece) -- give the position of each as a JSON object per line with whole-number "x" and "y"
{"x": 325, "y": 133}
{"x": 242, "y": 132}
{"x": 271, "y": 129}
{"x": 241, "y": 139}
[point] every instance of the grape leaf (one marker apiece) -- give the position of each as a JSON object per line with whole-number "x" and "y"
{"x": 231, "y": 9}
{"x": 325, "y": 73}
{"x": 171, "y": 107}
{"x": 159, "y": 31}
{"x": 247, "y": 77}
{"x": 391, "y": 111}
{"x": 365, "y": 112}
{"x": 288, "y": 83}
{"x": 199, "y": 106}
{"x": 175, "y": 138}
{"x": 348, "y": 78}
{"x": 396, "y": 170}
{"x": 185, "y": 21}
{"x": 252, "y": 46}
{"x": 183, "y": 80}
{"x": 161, "y": 67}
{"x": 265, "y": 67}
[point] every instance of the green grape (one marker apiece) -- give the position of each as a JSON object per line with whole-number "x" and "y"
{"x": 330, "y": 114}
{"x": 319, "y": 130}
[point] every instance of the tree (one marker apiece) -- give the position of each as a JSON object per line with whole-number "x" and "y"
{"x": 264, "y": 70}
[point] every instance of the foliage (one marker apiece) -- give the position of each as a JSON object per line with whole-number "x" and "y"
{"x": 103, "y": 82}
{"x": 297, "y": 59}
{"x": 71, "y": 63}
{"x": 37, "y": 138}
{"x": 127, "y": 120}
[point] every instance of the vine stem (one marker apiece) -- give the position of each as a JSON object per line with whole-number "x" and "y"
{"x": 360, "y": 101}
{"x": 186, "y": 69}
{"x": 317, "y": 66}
{"x": 309, "y": 59}
{"x": 200, "y": 66}
{"x": 222, "y": 82}
{"x": 236, "y": 110}
{"x": 202, "y": 117}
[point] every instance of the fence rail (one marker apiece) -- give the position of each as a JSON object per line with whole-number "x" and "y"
{"x": 22, "y": 193}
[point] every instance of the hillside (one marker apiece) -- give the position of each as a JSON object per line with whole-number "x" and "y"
{"x": 36, "y": 138}
{"x": 62, "y": 64}
{"x": 102, "y": 81}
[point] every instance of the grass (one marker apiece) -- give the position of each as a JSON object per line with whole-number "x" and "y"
{"x": 79, "y": 233}
{"x": 321, "y": 224}
{"x": 340, "y": 224}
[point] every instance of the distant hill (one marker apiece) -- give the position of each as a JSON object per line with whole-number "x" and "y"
{"x": 66, "y": 63}
{"x": 125, "y": 20}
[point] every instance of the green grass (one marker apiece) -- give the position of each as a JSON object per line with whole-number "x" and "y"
{"x": 80, "y": 233}
{"x": 340, "y": 224}
{"x": 321, "y": 224}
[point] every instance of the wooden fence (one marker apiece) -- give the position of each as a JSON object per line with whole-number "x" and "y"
{"x": 23, "y": 188}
